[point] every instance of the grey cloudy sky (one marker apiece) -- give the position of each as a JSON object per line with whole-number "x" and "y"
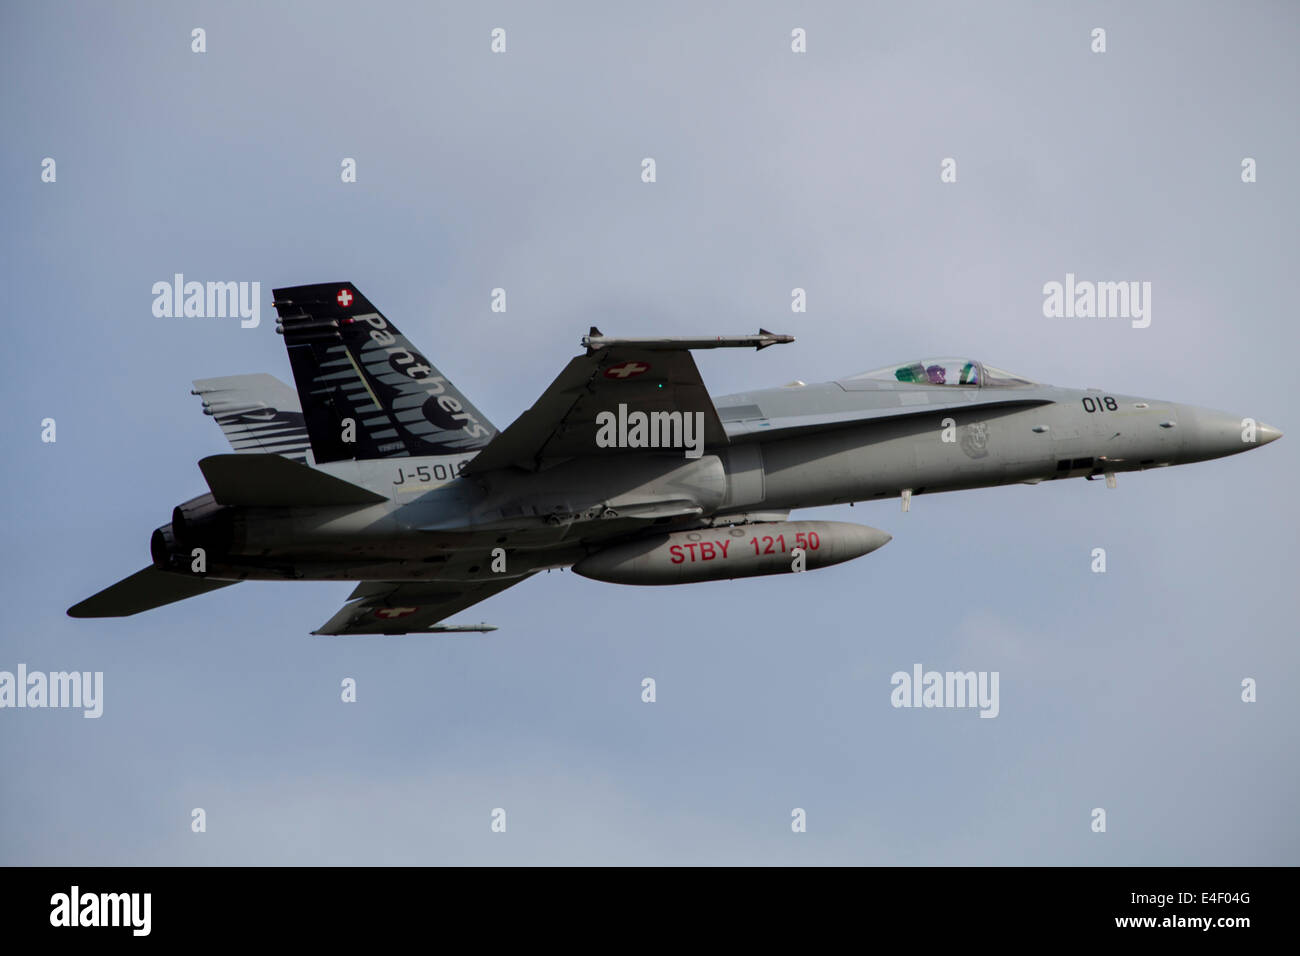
{"x": 775, "y": 170}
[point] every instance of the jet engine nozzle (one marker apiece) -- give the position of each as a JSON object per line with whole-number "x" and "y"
{"x": 163, "y": 550}
{"x": 202, "y": 523}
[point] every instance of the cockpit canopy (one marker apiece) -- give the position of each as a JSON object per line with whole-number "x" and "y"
{"x": 945, "y": 371}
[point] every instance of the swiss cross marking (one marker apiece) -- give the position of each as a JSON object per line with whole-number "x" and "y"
{"x": 391, "y": 612}
{"x": 626, "y": 370}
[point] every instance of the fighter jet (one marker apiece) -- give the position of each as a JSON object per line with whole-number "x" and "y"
{"x": 380, "y": 471}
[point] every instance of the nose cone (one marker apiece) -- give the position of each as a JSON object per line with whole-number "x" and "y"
{"x": 878, "y": 539}
{"x": 849, "y": 541}
{"x": 1211, "y": 434}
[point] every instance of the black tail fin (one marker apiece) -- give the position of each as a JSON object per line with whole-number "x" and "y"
{"x": 349, "y": 362}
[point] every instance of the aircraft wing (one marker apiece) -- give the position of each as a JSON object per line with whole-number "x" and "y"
{"x": 562, "y": 423}
{"x": 257, "y": 413}
{"x": 411, "y": 607}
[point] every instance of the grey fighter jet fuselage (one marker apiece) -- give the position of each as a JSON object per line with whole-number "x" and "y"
{"x": 430, "y": 534}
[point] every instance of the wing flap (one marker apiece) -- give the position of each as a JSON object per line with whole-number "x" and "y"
{"x": 269, "y": 481}
{"x": 147, "y": 588}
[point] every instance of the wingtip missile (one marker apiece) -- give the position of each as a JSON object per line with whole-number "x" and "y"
{"x": 766, "y": 338}
{"x": 762, "y": 340}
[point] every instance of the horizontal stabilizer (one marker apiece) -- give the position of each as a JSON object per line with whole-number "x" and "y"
{"x": 270, "y": 481}
{"x": 147, "y": 588}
